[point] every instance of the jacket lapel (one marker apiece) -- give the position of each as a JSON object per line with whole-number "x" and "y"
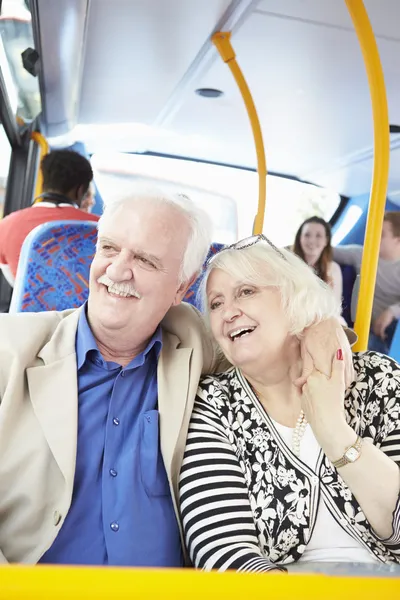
{"x": 53, "y": 393}
{"x": 173, "y": 383}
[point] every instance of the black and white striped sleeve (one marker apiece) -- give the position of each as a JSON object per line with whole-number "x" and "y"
{"x": 215, "y": 509}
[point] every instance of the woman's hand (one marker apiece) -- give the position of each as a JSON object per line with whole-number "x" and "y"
{"x": 323, "y": 404}
{"x": 319, "y": 345}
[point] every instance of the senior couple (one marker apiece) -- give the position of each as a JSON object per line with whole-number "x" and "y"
{"x": 130, "y": 435}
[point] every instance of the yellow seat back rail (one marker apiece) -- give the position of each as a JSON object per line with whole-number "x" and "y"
{"x": 88, "y": 583}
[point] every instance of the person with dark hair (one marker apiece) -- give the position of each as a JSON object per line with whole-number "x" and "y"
{"x": 386, "y": 305}
{"x": 313, "y": 245}
{"x": 66, "y": 179}
{"x": 66, "y": 173}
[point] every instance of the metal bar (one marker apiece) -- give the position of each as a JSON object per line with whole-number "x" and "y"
{"x": 227, "y": 53}
{"x": 31, "y": 172}
{"x": 380, "y": 174}
{"x": 41, "y": 142}
{"x": 7, "y": 118}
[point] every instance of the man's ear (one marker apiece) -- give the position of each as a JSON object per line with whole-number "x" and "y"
{"x": 183, "y": 288}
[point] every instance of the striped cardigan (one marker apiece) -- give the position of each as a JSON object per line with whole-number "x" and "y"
{"x": 248, "y": 503}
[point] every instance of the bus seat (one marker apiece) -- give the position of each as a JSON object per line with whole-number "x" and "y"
{"x": 349, "y": 277}
{"x": 53, "y": 269}
{"x": 394, "y": 350}
{"x": 191, "y": 295}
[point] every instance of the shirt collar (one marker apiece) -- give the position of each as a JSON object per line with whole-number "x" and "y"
{"x": 45, "y": 204}
{"x": 85, "y": 342}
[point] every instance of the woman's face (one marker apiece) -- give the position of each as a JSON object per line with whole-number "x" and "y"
{"x": 313, "y": 240}
{"x": 247, "y": 321}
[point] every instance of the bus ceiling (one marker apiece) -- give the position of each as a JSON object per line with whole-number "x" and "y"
{"x": 123, "y": 76}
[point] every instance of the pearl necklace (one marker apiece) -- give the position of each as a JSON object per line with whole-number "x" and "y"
{"x": 298, "y": 432}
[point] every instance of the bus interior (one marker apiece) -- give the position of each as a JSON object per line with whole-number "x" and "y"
{"x": 139, "y": 87}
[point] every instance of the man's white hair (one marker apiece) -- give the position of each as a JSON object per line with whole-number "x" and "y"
{"x": 200, "y": 224}
{"x": 306, "y": 299}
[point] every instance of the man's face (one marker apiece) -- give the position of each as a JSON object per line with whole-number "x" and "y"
{"x": 390, "y": 244}
{"x": 134, "y": 277}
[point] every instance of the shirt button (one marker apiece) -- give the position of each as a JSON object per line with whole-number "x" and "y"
{"x": 56, "y": 518}
{"x": 113, "y": 473}
{"x": 114, "y": 526}
{"x": 314, "y": 480}
{"x": 116, "y": 421}
{"x": 122, "y": 373}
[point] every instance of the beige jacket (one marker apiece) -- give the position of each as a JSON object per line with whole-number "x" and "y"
{"x": 38, "y": 417}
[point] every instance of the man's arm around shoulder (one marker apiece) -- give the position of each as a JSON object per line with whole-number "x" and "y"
{"x": 348, "y": 255}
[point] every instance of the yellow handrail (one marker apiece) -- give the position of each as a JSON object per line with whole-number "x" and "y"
{"x": 222, "y": 42}
{"x": 64, "y": 583}
{"x": 44, "y": 149}
{"x": 380, "y": 175}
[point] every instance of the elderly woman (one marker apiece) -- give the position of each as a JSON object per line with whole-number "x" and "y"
{"x": 275, "y": 474}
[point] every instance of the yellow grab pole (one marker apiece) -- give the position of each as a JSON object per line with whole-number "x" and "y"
{"x": 39, "y": 139}
{"x": 380, "y": 175}
{"x": 223, "y": 44}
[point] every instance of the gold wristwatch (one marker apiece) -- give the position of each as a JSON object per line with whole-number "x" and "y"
{"x": 351, "y": 454}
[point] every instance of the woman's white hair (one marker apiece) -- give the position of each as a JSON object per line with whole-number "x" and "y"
{"x": 306, "y": 299}
{"x": 200, "y": 224}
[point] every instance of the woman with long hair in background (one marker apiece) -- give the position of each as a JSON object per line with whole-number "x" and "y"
{"x": 313, "y": 245}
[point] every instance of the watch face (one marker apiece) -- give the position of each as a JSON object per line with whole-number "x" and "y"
{"x": 352, "y": 454}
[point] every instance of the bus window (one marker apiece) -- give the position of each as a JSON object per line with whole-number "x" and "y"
{"x": 115, "y": 174}
{"x": 290, "y": 202}
{"x": 5, "y": 156}
{"x": 229, "y": 194}
{"x": 15, "y": 37}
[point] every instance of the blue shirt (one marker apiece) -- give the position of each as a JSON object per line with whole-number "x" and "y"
{"x": 121, "y": 511}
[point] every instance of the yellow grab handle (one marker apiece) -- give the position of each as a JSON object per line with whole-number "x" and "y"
{"x": 44, "y": 149}
{"x": 380, "y": 176}
{"x": 222, "y": 42}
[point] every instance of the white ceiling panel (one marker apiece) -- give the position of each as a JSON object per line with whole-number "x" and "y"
{"x": 301, "y": 59}
{"x": 311, "y": 91}
{"x": 137, "y": 51}
{"x": 384, "y": 14}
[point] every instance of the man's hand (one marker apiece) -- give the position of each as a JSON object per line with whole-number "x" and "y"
{"x": 382, "y": 323}
{"x": 319, "y": 346}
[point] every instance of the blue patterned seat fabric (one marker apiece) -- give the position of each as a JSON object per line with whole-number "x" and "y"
{"x": 192, "y": 293}
{"x": 53, "y": 270}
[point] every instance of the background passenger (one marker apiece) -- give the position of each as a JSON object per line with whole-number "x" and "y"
{"x": 66, "y": 179}
{"x": 386, "y": 304}
{"x": 274, "y": 473}
{"x": 313, "y": 244}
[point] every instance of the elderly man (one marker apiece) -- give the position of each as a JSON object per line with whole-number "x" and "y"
{"x": 95, "y": 402}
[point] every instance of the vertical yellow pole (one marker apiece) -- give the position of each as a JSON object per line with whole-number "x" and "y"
{"x": 222, "y": 42}
{"x": 39, "y": 139}
{"x": 380, "y": 176}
